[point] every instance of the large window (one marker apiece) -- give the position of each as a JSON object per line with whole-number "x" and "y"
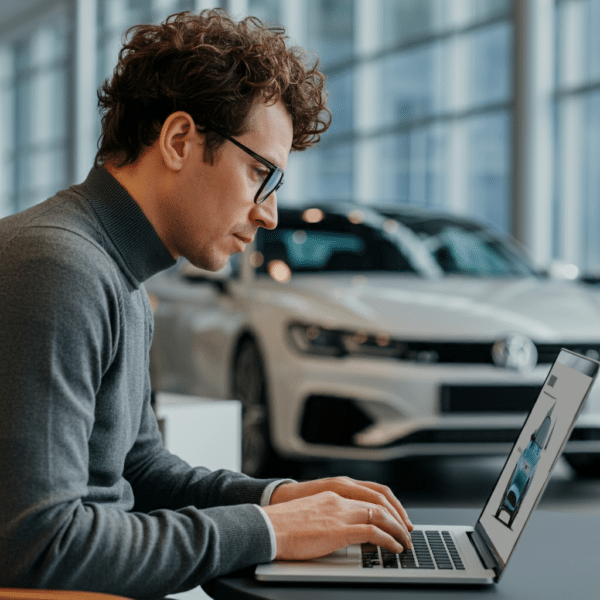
{"x": 116, "y": 16}
{"x": 577, "y": 191}
{"x": 35, "y": 96}
{"x": 430, "y": 106}
{"x": 421, "y": 95}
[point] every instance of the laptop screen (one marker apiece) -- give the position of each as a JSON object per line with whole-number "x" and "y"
{"x": 540, "y": 443}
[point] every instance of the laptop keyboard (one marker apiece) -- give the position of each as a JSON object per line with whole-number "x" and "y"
{"x": 431, "y": 550}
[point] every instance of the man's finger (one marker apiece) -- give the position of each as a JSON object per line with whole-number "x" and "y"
{"x": 375, "y": 493}
{"x": 361, "y": 534}
{"x": 391, "y": 499}
{"x": 381, "y": 518}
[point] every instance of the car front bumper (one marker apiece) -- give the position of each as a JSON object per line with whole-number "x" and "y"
{"x": 370, "y": 409}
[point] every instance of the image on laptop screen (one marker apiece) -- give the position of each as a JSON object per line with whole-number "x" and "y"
{"x": 532, "y": 458}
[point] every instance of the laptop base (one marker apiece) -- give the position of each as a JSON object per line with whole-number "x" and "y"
{"x": 346, "y": 565}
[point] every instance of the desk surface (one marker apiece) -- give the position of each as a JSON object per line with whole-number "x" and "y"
{"x": 557, "y": 557}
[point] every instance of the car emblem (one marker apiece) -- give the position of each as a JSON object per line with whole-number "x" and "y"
{"x": 515, "y": 351}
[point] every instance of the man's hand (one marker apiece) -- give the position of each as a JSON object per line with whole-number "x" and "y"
{"x": 315, "y": 518}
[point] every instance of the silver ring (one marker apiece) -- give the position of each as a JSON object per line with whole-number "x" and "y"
{"x": 370, "y": 515}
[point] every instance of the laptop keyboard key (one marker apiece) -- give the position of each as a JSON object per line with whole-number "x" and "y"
{"x": 438, "y": 548}
{"x": 430, "y": 549}
{"x": 390, "y": 560}
{"x": 370, "y": 556}
{"x": 458, "y": 564}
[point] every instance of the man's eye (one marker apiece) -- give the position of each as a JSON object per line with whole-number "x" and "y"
{"x": 261, "y": 172}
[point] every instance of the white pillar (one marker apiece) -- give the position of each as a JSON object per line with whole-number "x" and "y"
{"x": 293, "y": 18}
{"x": 7, "y": 129}
{"x": 572, "y": 135}
{"x": 458, "y": 97}
{"x": 367, "y": 25}
{"x": 200, "y": 5}
{"x": 86, "y": 102}
{"x": 237, "y": 9}
{"x": 533, "y": 127}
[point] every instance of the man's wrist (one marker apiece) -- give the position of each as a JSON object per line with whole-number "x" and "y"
{"x": 265, "y": 499}
{"x": 271, "y": 529}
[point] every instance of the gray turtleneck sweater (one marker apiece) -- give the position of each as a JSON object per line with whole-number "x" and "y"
{"x": 89, "y": 498}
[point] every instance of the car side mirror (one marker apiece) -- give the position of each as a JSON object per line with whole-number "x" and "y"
{"x": 217, "y": 278}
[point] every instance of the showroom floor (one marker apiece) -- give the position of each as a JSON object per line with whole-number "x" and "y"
{"x": 459, "y": 482}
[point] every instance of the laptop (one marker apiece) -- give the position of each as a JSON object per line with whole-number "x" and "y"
{"x": 465, "y": 554}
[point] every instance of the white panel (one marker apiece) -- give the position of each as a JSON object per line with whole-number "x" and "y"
{"x": 202, "y": 431}
{"x": 195, "y": 594}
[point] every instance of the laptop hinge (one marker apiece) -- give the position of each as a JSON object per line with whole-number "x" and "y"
{"x": 482, "y": 552}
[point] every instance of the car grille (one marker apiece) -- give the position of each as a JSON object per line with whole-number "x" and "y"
{"x": 487, "y": 399}
{"x": 481, "y": 352}
{"x": 332, "y": 420}
{"x": 548, "y": 352}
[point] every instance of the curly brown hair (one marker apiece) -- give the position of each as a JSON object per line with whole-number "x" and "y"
{"x": 214, "y": 69}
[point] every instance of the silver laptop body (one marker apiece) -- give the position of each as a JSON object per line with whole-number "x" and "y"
{"x": 463, "y": 554}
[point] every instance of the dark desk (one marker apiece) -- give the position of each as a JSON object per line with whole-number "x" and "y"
{"x": 557, "y": 558}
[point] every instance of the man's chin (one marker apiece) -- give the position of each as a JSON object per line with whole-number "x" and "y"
{"x": 213, "y": 263}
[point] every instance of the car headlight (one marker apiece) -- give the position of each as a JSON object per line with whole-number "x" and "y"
{"x": 315, "y": 339}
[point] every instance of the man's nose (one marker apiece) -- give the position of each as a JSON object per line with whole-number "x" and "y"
{"x": 265, "y": 213}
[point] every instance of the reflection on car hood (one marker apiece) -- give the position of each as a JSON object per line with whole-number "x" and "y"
{"x": 455, "y": 307}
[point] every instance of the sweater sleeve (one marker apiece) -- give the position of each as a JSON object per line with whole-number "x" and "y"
{"x": 162, "y": 480}
{"x": 59, "y": 324}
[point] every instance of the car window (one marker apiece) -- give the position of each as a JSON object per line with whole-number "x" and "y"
{"x": 305, "y": 249}
{"x": 459, "y": 251}
{"x": 430, "y": 246}
{"x": 466, "y": 249}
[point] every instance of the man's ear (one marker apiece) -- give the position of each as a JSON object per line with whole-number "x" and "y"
{"x": 177, "y": 135}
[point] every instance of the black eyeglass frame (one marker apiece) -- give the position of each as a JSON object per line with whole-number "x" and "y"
{"x": 274, "y": 170}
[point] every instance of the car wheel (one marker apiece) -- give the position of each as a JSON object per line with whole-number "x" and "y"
{"x": 585, "y": 465}
{"x": 249, "y": 387}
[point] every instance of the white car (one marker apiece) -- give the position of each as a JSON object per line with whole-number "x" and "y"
{"x": 360, "y": 334}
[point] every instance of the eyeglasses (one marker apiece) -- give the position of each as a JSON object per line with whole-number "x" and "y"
{"x": 273, "y": 180}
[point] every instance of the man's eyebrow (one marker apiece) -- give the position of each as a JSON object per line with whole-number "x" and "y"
{"x": 275, "y": 162}
{"x": 270, "y": 157}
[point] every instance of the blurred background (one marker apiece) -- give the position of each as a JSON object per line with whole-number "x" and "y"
{"x": 488, "y": 109}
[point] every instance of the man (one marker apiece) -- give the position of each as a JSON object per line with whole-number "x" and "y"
{"x": 198, "y": 122}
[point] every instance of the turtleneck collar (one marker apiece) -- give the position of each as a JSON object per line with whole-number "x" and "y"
{"x": 129, "y": 229}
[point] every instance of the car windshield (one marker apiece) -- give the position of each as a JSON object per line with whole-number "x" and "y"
{"x": 465, "y": 248}
{"x": 425, "y": 247}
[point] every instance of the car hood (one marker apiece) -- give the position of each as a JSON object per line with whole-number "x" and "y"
{"x": 449, "y": 308}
